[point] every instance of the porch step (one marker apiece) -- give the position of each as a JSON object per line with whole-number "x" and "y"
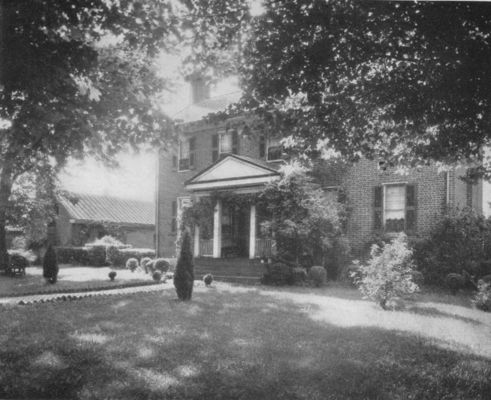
{"x": 231, "y": 270}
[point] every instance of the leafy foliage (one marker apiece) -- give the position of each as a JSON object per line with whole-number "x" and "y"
{"x": 302, "y": 219}
{"x": 482, "y": 298}
{"x": 461, "y": 241}
{"x": 208, "y": 279}
{"x": 50, "y": 265}
{"x": 112, "y": 275}
{"x": 278, "y": 273}
{"x": 388, "y": 273}
{"x": 157, "y": 276}
{"x": 184, "y": 274}
{"x": 132, "y": 264}
{"x": 396, "y": 76}
{"x": 318, "y": 276}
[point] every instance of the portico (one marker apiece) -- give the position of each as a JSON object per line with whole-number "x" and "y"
{"x": 234, "y": 231}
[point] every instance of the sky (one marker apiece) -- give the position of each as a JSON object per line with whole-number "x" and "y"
{"x": 136, "y": 176}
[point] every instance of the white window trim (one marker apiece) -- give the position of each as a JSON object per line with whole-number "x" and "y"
{"x": 384, "y": 198}
{"x": 227, "y": 132}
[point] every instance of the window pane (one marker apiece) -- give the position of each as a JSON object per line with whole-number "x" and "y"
{"x": 395, "y": 198}
{"x": 226, "y": 143}
{"x": 184, "y": 149}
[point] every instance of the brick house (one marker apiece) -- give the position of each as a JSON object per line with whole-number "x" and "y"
{"x": 86, "y": 218}
{"x": 214, "y": 157}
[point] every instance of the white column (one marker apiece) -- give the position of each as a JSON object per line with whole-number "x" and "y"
{"x": 252, "y": 232}
{"x": 196, "y": 240}
{"x": 217, "y": 230}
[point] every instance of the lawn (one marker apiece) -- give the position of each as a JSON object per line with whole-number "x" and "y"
{"x": 233, "y": 342}
{"x": 70, "y": 277}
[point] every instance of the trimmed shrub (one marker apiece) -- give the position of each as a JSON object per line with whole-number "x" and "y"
{"x": 278, "y": 273}
{"x": 318, "y": 276}
{"x": 132, "y": 264}
{"x": 50, "y": 265}
{"x": 299, "y": 275}
{"x": 73, "y": 255}
{"x": 454, "y": 282}
{"x": 112, "y": 275}
{"x": 184, "y": 274}
{"x": 482, "y": 298}
{"x": 157, "y": 276}
{"x": 161, "y": 264}
{"x": 144, "y": 263}
{"x": 388, "y": 273}
{"x": 97, "y": 256}
{"x": 350, "y": 273}
{"x": 208, "y": 279}
{"x": 460, "y": 241}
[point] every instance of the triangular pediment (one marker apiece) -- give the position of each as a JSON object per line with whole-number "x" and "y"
{"x": 232, "y": 168}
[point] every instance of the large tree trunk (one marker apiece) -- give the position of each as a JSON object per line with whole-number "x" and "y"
{"x": 5, "y": 191}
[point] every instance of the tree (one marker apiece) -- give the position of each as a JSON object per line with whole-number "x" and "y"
{"x": 50, "y": 265}
{"x": 300, "y": 217}
{"x": 184, "y": 274}
{"x": 76, "y": 79}
{"x": 405, "y": 82}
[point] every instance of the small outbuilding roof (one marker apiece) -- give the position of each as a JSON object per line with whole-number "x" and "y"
{"x": 86, "y": 207}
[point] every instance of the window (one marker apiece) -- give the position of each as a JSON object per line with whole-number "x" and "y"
{"x": 187, "y": 149}
{"x": 229, "y": 142}
{"x": 214, "y": 146}
{"x": 395, "y": 208}
{"x": 271, "y": 148}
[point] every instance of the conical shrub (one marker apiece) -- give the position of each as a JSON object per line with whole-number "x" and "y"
{"x": 184, "y": 274}
{"x": 50, "y": 265}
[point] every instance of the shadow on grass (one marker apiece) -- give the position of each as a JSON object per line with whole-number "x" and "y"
{"x": 435, "y": 312}
{"x": 221, "y": 345}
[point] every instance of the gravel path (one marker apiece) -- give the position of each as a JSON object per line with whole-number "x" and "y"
{"x": 42, "y": 298}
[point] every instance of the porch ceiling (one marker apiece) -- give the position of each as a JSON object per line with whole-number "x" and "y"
{"x": 233, "y": 171}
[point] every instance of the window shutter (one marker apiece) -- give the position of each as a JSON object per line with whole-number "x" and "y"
{"x": 174, "y": 162}
{"x": 214, "y": 147}
{"x": 378, "y": 200}
{"x": 262, "y": 146}
{"x": 235, "y": 142}
{"x": 411, "y": 201}
{"x": 192, "y": 149}
{"x": 174, "y": 217}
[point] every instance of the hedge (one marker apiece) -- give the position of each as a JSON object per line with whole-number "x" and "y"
{"x": 97, "y": 255}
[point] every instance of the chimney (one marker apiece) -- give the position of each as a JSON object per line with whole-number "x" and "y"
{"x": 200, "y": 90}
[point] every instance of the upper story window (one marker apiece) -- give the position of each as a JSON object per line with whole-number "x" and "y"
{"x": 223, "y": 143}
{"x": 395, "y": 207}
{"x": 187, "y": 149}
{"x": 271, "y": 148}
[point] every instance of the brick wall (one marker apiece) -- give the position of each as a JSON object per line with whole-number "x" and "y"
{"x": 358, "y": 181}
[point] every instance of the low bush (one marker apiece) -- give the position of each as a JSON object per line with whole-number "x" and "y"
{"x": 418, "y": 277}
{"x": 50, "y": 265}
{"x": 157, "y": 276}
{"x": 161, "y": 264}
{"x": 388, "y": 273}
{"x": 112, "y": 275}
{"x": 318, "y": 276}
{"x": 144, "y": 263}
{"x": 277, "y": 274}
{"x": 299, "y": 275}
{"x": 73, "y": 255}
{"x": 454, "y": 282}
{"x": 461, "y": 241}
{"x": 482, "y": 298}
{"x": 208, "y": 279}
{"x": 350, "y": 273}
{"x": 132, "y": 264}
{"x": 97, "y": 255}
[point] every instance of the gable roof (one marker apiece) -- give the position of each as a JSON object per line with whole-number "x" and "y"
{"x": 233, "y": 171}
{"x": 109, "y": 209}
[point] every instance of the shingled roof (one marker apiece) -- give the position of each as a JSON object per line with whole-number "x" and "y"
{"x": 85, "y": 207}
{"x": 195, "y": 112}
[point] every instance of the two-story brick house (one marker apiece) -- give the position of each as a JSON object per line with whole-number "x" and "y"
{"x": 222, "y": 157}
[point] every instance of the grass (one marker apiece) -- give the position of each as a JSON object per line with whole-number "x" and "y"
{"x": 233, "y": 342}
{"x": 69, "y": 277}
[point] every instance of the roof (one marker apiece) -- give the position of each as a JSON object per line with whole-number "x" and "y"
{"x": 195, "y": 112}
{"x": 85, "y": 207}
{"x": 233, "y": 171}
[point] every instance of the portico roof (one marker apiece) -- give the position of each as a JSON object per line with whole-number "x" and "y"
{"x": 233, "y": 171}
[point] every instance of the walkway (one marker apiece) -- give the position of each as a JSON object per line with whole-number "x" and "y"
{"x": 43, "y": 298}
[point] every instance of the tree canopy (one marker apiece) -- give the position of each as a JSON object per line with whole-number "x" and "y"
{"x": 405, "y": 82}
